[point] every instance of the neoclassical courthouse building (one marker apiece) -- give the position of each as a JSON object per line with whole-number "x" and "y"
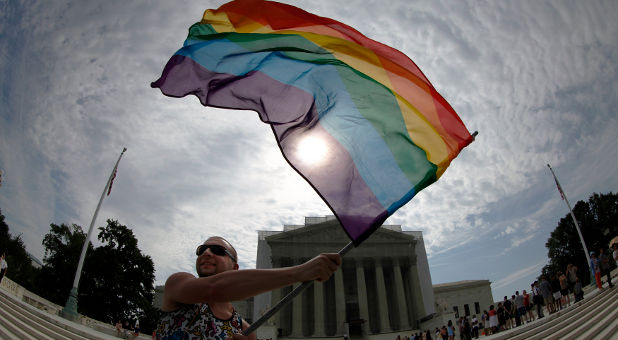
{"x": 383, "y": 288}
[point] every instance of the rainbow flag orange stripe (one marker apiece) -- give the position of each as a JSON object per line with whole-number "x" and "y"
{"x": 385, "y": 132}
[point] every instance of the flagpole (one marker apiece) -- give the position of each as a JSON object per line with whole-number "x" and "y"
{"x": 581, "y": 238}
{"x": 70, "y": 309}
{"x": 288, "y": 298}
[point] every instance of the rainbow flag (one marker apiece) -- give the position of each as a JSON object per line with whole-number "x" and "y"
{"x": 356, "y": 118}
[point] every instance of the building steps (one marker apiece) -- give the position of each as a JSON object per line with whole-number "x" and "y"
{"x": 592, "y": 318}
{"x": 19, "y": 320}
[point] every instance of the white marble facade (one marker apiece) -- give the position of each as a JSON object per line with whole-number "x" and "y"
{"x": 383, "y": 286}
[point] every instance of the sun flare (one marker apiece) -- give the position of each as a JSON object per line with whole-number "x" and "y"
{"x": 312, "y": 150}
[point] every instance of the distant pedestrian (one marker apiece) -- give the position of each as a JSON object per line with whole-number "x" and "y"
{"x": 514, "y": 315}
{"x": 564, "y": 289}
{"x": 537, "y": 299}
{"x": 521, "y": 307}
{"x": 548, "y": 298}
{"x": 507, "y": 305}
{"x": 579, "y": 292}
{"x": 604, "y": 262}
{"x": 3, "y": 266}
{"x": 119, "y": 331}
{"x": 595, "y": 268}
{"x": 572, "y": 276}
{"x": 555, "y": 289}
{"x": 528, "y": 306}
{"x": 485, "y": 320}
{"x": 467, "y": 329}
{"x": 493, "y": 319}
{"x": 475, "y": 327}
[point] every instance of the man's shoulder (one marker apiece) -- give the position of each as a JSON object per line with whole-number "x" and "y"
{"x": 178, "y": 277}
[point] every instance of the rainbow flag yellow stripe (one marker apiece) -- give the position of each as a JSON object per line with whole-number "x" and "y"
{"x": 386, "y": 132}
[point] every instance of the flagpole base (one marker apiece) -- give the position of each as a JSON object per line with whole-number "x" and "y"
{"x": 69, "y": 311}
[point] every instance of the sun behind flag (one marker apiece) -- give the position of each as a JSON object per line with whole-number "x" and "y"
{"x": 356, "y": 118}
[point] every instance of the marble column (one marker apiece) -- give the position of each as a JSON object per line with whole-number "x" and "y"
{"x": 339, "y": 301}
{"x": 275, "y": 297}
{"x": 318, "y": 309}
{"x": 363, "y": 306}
{"x": 401, "y": 296}
{"x": 297, "y": 309}
{"x": 385, "y": 326}
{"x": 417, "y": 294}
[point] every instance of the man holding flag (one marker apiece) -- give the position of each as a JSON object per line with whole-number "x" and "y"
{"x": 203, "y": 303}
{"x": 385, "y": 130}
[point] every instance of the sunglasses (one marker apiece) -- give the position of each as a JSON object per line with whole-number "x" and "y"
{"x": 215, "y": 249}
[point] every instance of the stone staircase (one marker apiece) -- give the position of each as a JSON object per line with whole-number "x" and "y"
{"x": 19, "y": 320}
{"x": 596, "y": 317}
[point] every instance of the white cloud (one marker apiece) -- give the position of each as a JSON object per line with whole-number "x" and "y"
{"x": 536, "y": 79}
{"x": 534, "y": 269}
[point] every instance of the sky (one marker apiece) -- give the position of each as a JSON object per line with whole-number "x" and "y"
{"x": 537, "y": 79}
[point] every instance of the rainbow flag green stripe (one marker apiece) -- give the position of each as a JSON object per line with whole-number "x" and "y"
{"x": 313, "y": 78}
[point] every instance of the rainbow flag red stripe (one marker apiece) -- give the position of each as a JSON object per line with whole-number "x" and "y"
{"x": 385, "y": 132}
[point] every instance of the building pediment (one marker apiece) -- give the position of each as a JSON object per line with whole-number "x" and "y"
{"x": 329, "y": 236}
{"x": 332, "y": 232}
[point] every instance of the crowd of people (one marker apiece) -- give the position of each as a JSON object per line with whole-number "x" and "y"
{"x": 127, "y": 330}
{"x": 554, "y": 292}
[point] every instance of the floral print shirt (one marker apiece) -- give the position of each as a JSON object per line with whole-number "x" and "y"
{"x": 196, "y": 322}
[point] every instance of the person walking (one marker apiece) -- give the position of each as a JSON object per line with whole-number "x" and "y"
{"x": 571, "y": 273}
{"x": 604, "y": 261}
{"x": 595, "y": 268}
{"x": 506, "y": 304}
{"x": 579, "y": 292}
{"x": 521, "y": 307}
{"x": 529, "y": 315}
{"x": 548, "y": 298}
{"x": 3, "y": 266}
{"x": 537, "y": 298}
{"x": 475, "y": 327}
{"x": 564, "y": 290}
{"x": 493, "y": 319}
{"x": 450, "y": 330}
{"x": 485, "y": 320}
{"x": 555, "y": 289}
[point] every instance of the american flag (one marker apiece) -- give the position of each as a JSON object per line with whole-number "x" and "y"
{"x": 112, "y": 181}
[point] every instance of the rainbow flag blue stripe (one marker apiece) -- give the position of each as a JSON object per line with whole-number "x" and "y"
{"x": 385, "y": 132}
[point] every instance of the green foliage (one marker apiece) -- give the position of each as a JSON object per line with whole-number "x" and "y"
{"x": 116, "y": 280}
{"x": 63, "y": 245}
{"x": 20, "y": 267}
{"x": 121, "y": 278}
{"x": 598, "y": 222}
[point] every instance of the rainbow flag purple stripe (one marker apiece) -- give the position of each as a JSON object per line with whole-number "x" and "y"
{"x": 380, "y": 130}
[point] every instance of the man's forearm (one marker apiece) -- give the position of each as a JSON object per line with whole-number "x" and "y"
{"x": 237, "y": 285}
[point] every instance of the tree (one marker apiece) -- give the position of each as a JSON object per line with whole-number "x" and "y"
{"x": 116, "y": 280}
{"x": 20, "y": 267}
{"x": 598, "y": 221}
{"x": 122, "y": 278}
{"x": 63, "y": 245}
